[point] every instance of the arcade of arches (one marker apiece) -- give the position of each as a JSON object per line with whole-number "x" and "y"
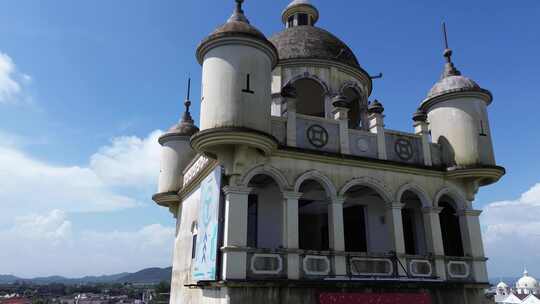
{"x": 365, "y": 220}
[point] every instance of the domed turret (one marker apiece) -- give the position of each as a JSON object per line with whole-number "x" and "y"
{"x": 319, "y": 65}
{"x": 176, "y": 151}
{"x": 527, "y": 282}
{"x": 303, "y": 40}
{"x": 299, "y": 13}
{"x": 237, "y": 62}
{"x": 456, "y": 107}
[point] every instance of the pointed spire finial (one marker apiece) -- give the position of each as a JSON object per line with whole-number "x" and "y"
{"x": 449, "y": 68}
{"x": 239, "y": 6}
{"x": 187, "y": 116}
{"x": 186, "y": 126}
{"x": 238, "y": 14}
{"x": 447, "y": 50}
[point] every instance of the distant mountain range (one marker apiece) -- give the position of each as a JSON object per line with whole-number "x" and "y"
{"x": 146, "y": 276}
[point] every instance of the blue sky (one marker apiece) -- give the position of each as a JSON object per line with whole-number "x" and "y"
{"x": 85, "y": 87}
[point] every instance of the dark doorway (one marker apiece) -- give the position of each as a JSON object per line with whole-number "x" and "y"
{"x": 409, "y": 232}
{"x": 451, "y": 232}
{"x": 355, "y": 229}
{"x": 313, "y": 225}
{"x": 310, "y": 99}
{"x": 252, "y": 221}
{"x": 265, "y": 213}
{"x": 414, "y": 233}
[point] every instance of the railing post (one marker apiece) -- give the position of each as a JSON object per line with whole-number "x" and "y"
{"x": 376, "y": 126}
{"x": 395, "y": 223}
{"x": 421, "y": 128}
{"x": 472, "y": 242}
{"x": 290, "y": 233}
{"x": 235, "y": 233}
{"x": 337, "y": 235}
{"x": 341, "y": 114}
{"x": 434, "y": 239}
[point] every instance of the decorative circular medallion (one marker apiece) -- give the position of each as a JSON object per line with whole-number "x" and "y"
{"x": 404, "y": 149}
{"x": 362, "y": 145}
{"x": 317, "y": 136}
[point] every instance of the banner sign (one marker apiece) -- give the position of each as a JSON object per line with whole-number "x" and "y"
{"x": 374, "y": 298}
{"x": 205, "y": 264}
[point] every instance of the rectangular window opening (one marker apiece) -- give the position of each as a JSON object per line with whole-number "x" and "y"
{"x": 252, "y": 220}
{"x": 303, "y": 19}
{"x": 194, "y": 247}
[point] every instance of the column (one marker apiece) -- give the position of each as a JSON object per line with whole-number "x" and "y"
{"x": 235, "y": 233}
{"x": 376, "y": 126}
{"x": 341, "y": 115}
{"x": 290, "y": 233}
{"x": 469, "y": 221}
{"x": 434, "y": 240}
{"x": 421, "y": 128}
{"x": 395, "y": 225}
{"x": 289, "y": 93}
{"x": 337, "y": 235}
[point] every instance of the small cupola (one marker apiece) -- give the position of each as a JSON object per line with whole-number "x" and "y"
{"x": 176, "y": 152}
{"x": 452, "y": 81}
{"x": 300, "y": 13}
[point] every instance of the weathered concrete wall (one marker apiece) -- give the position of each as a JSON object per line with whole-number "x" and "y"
{"x": 310, "y": 295}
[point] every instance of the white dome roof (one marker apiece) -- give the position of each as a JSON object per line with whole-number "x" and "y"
{"x": 502, "y": 285}
{"x": 299, "y": 2}
{"x": 526, "y": 282}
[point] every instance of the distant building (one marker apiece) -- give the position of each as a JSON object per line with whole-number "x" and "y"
{"x": 294, "y": 191}
{"x": 526, "y": 290}
{"x": 15, "y": 300}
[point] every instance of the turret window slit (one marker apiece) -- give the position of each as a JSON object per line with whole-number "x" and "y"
{"x": 248, "y": 85}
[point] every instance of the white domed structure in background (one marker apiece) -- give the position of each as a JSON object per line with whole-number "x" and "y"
{"x": 502, "y": 285}
{"x": 527, "y": 284}
{"x": 502, "y": 289}
{"x": 526, "y": 290}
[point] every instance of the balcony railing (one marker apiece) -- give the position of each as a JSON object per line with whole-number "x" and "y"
{"x": 362, "y": 265}
{"x": 420, "y": 267}
{"x": 316, "y": 265}
{"x": 458, "y": 268}
{"x": 266, "y": 264}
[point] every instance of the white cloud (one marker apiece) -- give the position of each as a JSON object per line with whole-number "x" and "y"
{"x": 41, "y": 245}
{"x": 11, "y": 81}
{"x": 36, "y": 197}
{"x": 52, "y": 226}
{"x": 30, "y": 184}
{"x": 512, "y": 233}
{"x": 128, "y": 161}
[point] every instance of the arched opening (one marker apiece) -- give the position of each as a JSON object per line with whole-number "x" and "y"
{"x": 357, "y": 111}
{"x": 413, "y": 224}
{"x": 450, "y": 229}
{"x": 310, "y": 97}
{"x": 313, "y": 217}
{"x": 364, "y": 221}
{"x": 265, "y": 213}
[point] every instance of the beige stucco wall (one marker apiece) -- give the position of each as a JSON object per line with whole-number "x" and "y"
{"x": 224, "y": 76}
{"x": 457, "y": 124}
